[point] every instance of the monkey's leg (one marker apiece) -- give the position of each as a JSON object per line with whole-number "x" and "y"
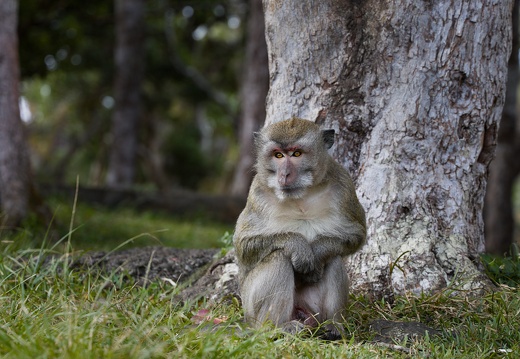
{"x": 268, "y": 291}
{"x": 328, "y": 297}
{"x": 335, "y": 288}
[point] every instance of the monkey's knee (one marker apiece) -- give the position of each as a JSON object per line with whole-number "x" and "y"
{"x": 268, "y": 291}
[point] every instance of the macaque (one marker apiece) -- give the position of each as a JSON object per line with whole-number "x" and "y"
{"x": 301, "y": 219}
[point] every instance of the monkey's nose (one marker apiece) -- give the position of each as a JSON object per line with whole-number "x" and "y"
{"x": 282, "y": 180}
{"x": 285, "y": 179}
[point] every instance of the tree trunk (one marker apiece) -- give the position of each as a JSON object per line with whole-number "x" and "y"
{"x": 14, "y": 159}
{"x": 255, "y": 84}
{"x": 414, "y": 91}
{"x": 129, "y": 73}
{"x": 498, "y": 209}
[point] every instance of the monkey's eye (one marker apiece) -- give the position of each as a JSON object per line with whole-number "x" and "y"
{"x": 278, "y": 155}
{"x": 297, "y": 153}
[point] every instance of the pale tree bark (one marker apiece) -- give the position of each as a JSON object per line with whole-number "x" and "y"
{"x": 255, "y": 84}
{"x": 14, "y": 158}
{"x": 129, "y": 73}
{"x": 498, "y": 209}
{"x": 415, "y": 91}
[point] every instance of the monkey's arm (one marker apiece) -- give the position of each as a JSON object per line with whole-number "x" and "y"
{"x": 350, "y": 231}
{"x": 252, "y": 249}
{"x": 347, "y": 241}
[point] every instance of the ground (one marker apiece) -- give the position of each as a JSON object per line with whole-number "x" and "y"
{"x": 213, "y": 277}
{"x": 148, "y": 264}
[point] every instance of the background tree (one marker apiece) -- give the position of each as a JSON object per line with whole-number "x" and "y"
{"x": 498, "y": 209}
{"x": 193, "y": 51}
{"x": 14, "y": 160}
{"x": 129, "y": 74}
{"x": 415, "y": 92}
{"x": 253, "y": 92}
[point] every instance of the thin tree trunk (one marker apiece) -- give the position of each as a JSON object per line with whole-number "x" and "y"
{"x": 255, "y": 84}
{"x": 129, "y": 73}
{"x": 498, "y": 209}
{"x": 415, "y": 91}
{"x": 14, "y": 159}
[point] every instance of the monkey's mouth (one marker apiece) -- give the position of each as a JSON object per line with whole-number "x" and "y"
{"x": 290, "y": 189}
{"x": 291, "y": 192}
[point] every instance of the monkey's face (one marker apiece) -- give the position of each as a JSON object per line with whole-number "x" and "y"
{"x": 292, "y": 156}
{"x": 288, "y": 172}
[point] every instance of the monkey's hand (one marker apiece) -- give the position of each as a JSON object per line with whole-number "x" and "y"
{"x": 304, "y": 261}
{"x": 314, "y": 276}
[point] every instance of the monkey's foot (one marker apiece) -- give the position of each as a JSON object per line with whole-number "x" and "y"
{"x": 332, "y": 331}
{"x": 294, "y": 327}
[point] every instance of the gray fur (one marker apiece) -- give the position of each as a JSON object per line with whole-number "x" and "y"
{"x": 290, "y": 244}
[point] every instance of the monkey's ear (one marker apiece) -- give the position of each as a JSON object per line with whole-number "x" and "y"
{"x": 328, "y": 138}
{"x": 258, "y": 137}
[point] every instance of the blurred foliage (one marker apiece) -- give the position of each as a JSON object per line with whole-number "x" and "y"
{"x": 184, "y": 152}
{"x": 504, "y": 270}
{"x": 66, "y": 56}
{"x": 516, "y": 210}
{"x": 65, "y": 35}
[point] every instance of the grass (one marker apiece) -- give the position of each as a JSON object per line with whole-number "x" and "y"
{"x": 53, "y": 312}
{"x": 49, "y": 312}
{"x": 98, "y": 228}
{"x": 504, "y": 270}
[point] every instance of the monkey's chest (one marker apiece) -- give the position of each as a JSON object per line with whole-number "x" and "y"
{"x": 310, "y": 220}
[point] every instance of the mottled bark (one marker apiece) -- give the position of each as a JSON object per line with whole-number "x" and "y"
{"x": 255, "y": 84}
{"x": 415, "y": 91}
{"x": 129, "y": 73}
{"x": 14, "y": 159}
{"x": 498, "y": 208}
